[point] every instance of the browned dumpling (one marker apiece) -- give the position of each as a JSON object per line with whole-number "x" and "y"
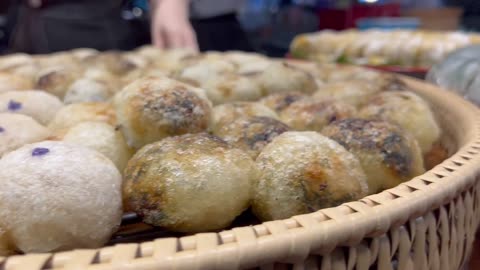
{"x": 73, "y": 114}
{"x": 354, "y": 92}
{"x": 281, "y": 77}
{"x": 87, "y": 90}
{"x": 82, "y": 54}
{"x": 251, "y": 134}
{"x": 105, "y": 77}
{"x": 409, "y": 111}
{"x": 301, "y": 172}
{"x": 153, "y": 108}
{"x": 189, "y": 183}
{"x": 103, "y": 138}
{"x": 230, "y": 88}
{"x": 279, "y": 101}
{"x": 199, "y": 70}
{"x": 113, "y": 61}
{"x": 314, "y": 115}
{"x": 229, "y": 112}
{"x": 388, "y": 155}
{"x": 56, "y": 80}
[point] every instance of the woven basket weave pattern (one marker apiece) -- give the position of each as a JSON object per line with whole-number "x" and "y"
{"x": 426, "y": 223}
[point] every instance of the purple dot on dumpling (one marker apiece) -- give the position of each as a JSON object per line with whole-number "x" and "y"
{"x": 14, "y": 105}
{"x": 39, "y": 151}
{"x": 2, "y": 129}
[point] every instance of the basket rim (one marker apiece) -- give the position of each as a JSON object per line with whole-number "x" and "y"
{"x": 318, "y": 232}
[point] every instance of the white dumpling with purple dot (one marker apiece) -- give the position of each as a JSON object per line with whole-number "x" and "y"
{"x": 58, "y": 196}
{"x": 17, "y": 130}
{"x": 39, "y": 105}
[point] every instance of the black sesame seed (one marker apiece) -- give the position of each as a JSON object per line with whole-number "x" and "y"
{"x": 40, "y": 151}
{"x": 14, "y": 105}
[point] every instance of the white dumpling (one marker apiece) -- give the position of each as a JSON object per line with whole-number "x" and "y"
{"x": 57, "y": 196}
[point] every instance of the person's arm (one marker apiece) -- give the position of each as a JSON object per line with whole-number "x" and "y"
{"x": 171, "y": 27}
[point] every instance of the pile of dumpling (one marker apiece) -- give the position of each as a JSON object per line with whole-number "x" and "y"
{"x": 190, "y": 141}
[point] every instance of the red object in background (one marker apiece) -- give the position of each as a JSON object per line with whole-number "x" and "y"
{"x": 340, "y": 19}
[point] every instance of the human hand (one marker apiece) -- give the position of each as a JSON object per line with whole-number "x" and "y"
{"x": 170, "y": 26}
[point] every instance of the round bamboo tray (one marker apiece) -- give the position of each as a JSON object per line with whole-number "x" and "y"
{"x": 426, "y": 223}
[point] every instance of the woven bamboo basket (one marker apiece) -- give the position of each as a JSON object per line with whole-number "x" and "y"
{"x": 426, "y": 223}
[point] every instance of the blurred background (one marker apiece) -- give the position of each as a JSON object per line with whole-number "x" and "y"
{"x": 271, "y": 24}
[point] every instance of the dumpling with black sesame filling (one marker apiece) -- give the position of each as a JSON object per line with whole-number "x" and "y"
{"x": 409, "y": 111}
{"x": 57, "y": 196}
{"x": 153, "y": 108}
{"x": 39, "y": 105}
{"x": 251, "y": 134}
{"x": 17, "y": 130}
{"x": 226, "y": 113}
{"x": 301, "y": 172}
{"x": 388, "y": 155}
{"x": 101, "y": 137}
{"x": 312, "y": 115}
{"x": 189, "y": 183}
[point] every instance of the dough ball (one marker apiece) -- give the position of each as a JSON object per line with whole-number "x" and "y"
{"x": 407, "y": 110}
{"x": 279, "y": 101}
{"x": 230, "y": 88}
{"x": 56, "y": 196}
{"x": 314, "y": 115}
{"x": 388, "y": 155}
{"x": 284, "y": 77}
{"x": 87, "y": 90}
{"x": 251, "y": 134}
{"x": 39, "y": 105}
{"x": 17, "y": 130}
{"x": 12, "y": 82}
{"x": 56, "y": 80}
{"x": 76, "y": 113}
{"x": 153, "y": 108}
{"x": 354, "y": 92}
{"x": 301, "y": 172}
{"x": 229, "y": 112}
{"x": 102, "y": 138}
{"x": 189, "y": 183}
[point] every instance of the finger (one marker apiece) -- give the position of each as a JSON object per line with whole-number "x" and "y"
{"x": 175, "y": 39}
{"x": 157, "y": 39}
{"x": 190, "y": 40}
